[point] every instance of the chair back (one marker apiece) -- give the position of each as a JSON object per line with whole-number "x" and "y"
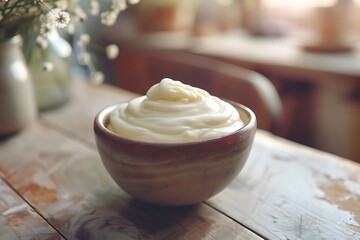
{"x": 138, "y": 69}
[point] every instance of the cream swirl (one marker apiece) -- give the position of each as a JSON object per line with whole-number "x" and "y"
{"x": 172, "y": 112}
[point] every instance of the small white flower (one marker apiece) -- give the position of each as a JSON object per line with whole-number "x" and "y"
{"x": 48, "y": 18}
{"x": 94, "y": 8}
{"x": 47, "y": 66}
{"x": 41, "y": 42}
{"x": 118, "y": 5}
{"x": 84, "y": 58}
{"x": 84, "y": 39}
{"x": 108, "y": 18}
{"x": 97, "y": 78}
{"x": 62, "y": 19}
{"x": 112, "y": 51}
{"x": 133, "y": 1}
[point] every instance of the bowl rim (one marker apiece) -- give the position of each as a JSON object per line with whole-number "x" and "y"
{"x": 100, "y": 128}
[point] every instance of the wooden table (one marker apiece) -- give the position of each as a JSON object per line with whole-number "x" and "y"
{"x": 54, "y": 186}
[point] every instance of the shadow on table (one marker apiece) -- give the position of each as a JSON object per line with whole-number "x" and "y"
{"x": 115, "y": 215}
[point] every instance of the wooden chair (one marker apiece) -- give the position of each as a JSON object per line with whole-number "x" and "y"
{"x": 139, "y": 69}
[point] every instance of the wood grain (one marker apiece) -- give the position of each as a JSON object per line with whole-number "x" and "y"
{"x": 66, "y": 182}
{"x": 286, "y": 191}
{"x": 76, "y": 118}
{"x": 18, "y": 220}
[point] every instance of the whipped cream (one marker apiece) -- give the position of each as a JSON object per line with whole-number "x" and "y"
{"x": 173, "y": 112}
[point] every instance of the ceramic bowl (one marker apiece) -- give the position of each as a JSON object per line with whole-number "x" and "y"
{"x": 174, "y": 173}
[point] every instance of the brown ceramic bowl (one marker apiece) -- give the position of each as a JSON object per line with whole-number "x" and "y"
{"x": 174, "y": 173}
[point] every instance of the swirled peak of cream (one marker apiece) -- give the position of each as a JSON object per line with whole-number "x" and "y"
{"x": 173, "y": 112}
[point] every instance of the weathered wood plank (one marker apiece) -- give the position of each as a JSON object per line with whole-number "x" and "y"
{"x": 76, "y": 118}
{"x": 288, "y": 191}
{"x": 67, "y": 183}
{"x": 19, "y": 221}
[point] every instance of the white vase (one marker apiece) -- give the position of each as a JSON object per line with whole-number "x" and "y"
{"x": 52, "y": 88}
{"x": 17, "y": 102}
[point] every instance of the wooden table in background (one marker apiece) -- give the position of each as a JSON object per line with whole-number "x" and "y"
{"x": 54, "y": 186}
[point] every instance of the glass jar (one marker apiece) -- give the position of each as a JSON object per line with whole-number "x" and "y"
{"x": 52, "y": 88}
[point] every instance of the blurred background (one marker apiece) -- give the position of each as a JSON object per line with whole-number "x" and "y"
{"x": 308, "y": 49}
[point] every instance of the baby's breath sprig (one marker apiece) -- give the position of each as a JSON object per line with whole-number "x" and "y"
{"x": 36, "y": 20}
{"x": 84, "y": 58}
{"x": 16, "y": 15}
{"x": 107, "y": 18}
